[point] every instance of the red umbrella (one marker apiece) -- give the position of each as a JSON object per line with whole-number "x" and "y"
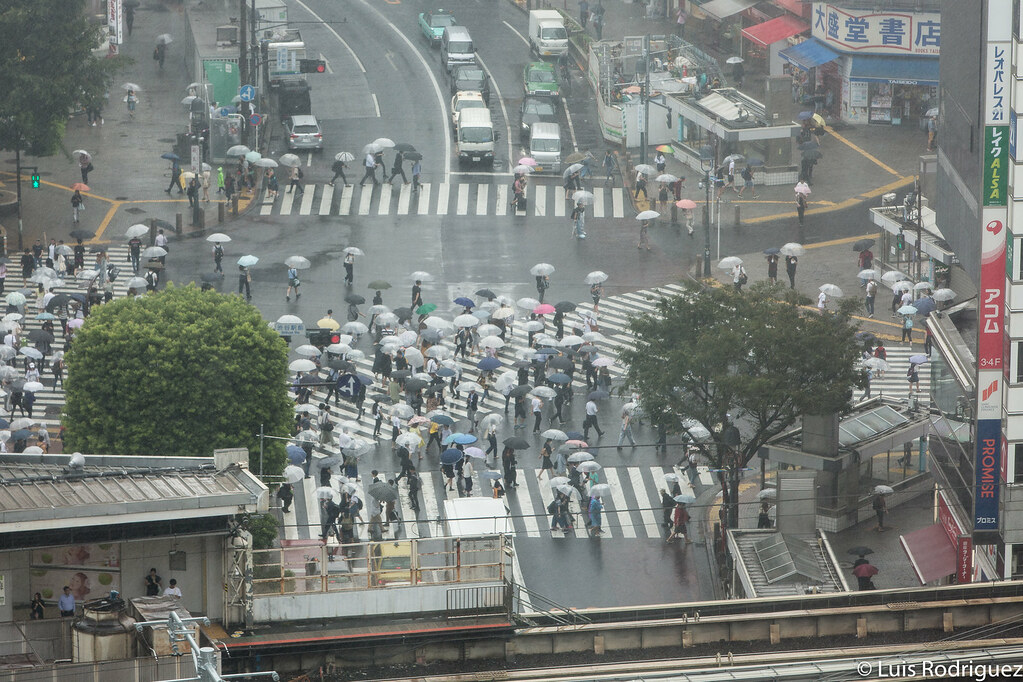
{"x": 80, "y": 186}
{"x": 865, "y": 571}
{"x": 543, "y": 309}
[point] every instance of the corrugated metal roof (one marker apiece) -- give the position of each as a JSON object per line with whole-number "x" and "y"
{"x": 756, "y": 581}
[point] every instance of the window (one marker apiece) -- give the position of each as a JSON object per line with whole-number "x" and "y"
{"x": 1017, "y": 451}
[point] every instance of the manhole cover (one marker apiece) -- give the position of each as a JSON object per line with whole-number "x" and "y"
{"x": 164, "y": 224}
{"x": 134, "y": 210}
{"x": 120, "y": 198}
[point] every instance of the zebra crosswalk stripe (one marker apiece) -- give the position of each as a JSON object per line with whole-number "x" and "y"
{"x": 404, "y": 198}
{"x": 287, "y": 198}
{"x": 442, "y": 198}
{"x": 539, "y": 200}
{"x": 481, "y": 199}
{"x": 345, "y": 206}
{"x": 365, "y": 199}
{"x": 620, "y": 505}
{"x": 643, "y": 501}
{"x": 598, "y": 202}
{"x": 501, "y": 208}
{"x": 384, "y": 207}
{"x": 307, "y": 203}
{"x": 325, "y": 199}
{"x": 462, "y": 203}
{"x": 424, "y": 199}
{"x": 527, "y": 513}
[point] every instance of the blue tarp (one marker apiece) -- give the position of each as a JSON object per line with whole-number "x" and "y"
{"x": 904, "y": 70}
{"x": 808, "y": 54}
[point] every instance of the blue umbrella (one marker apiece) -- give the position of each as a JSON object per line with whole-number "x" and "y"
{"x": 442, "y": 419}
{"x": 924, "y": 306}
{"x": 451, "y": 455}
{"x": 463, "y": 438}
{"x": 574, "y": 435}
{"x": 4, "y": 424}
{"x": 488, "y": 364}
{"x": 773, "y": 251}
{"x": 21, "y": 434}
{"x": 493, "y": 475}
{"x": 559, "y": 378}
{"x": 446, "y": 372}
{"x": 365, "y": 379}
{"x": 170, "y": 156}
{"x": 546, "y": 351}
{"x": 805, "y": 115}
{"x": 296, "y": 455}
{"x": 467, "y": 302}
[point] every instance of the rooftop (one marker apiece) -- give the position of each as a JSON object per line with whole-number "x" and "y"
{"x": 772, "y": 564}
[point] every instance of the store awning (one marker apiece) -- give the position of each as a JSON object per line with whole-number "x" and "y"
{"x": 808, "y": 54}
{"x": 896, "y": 70}
{"x": 722, "y": 9}
{"x": 776, "y": 29}
{"x": 931, "y": 553}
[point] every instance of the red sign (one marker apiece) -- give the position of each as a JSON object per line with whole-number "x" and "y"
{"x": 964, "y": 559}
{"x": 992, "y": 291}
{"x": 948, "y": 520}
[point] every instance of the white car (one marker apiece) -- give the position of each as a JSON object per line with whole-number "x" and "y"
{"x": 465, "y": 99}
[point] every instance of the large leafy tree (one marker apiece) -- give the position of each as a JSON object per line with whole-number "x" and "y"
{"x": 46, "y": 66}
{"x": 713, "y": 358}
{"x": 179, "y": 372}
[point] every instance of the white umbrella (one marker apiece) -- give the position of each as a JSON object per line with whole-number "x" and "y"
{"x": 488, "y": 330}
{"x": 544, "y": 392}
{"x": 136, "y": 230}
{"x": 596, "y": 277}
{"x": 572, "y": 340}
{"x": 541, "y": 269}
{"x": 355, "y": 251}
{"x": 302, "y": 365}
{"x": 867, "y": 274}
{"x": 307, "y": 409}
{"x": 729, "y": 262}
{"x": 164, "y": 39}
{"x": 438, "y": 323}
{"x": 32, "y": 387}
{"x": 588, "y": 466}
{"x": 289, "y": 319}
{"x": 734, "y": 60}
{"x": 943, "y": 295}
{"x": 408, "y": 440}
{"x": 307, "y": 351}
{"x": 265, "y": 163}
{"x": 414, "y": 357}
{"x": 354, "y": 328}
{"x": 237, "y": 150}
{"x": 324, "y": 493}
{"x": 554, "y": 434}
{"x": 439, "y": 352}
{"x": 831, "y": 290}
{"x": 876, "y": 364}
{"x": 802, "y": 188}
{"x": 902, "y": 285}
{"x": 130, "y": 86}
{"x": 344, "y": 157}
{"x": 907, "y": 310}
{"x": 466, "y": 321}
{"x": 154, "y": 252}
{"x": 421, "y": 276}
{"x": 298, "y": 262}
{"x": 492, "y": 342}
{"x": 503, "y": 313}
{"x": 289, "y": 160}
{"x": 603, "y": 362}
{"x": 187, "y": 101}
{"x": 666, "y": 177}
{"x": 922, "y": 286}
{"x": 528, "y": 303}
{"x": 372, "y": 148}
{"x": 793, "y": 249}
{"x": 582, "y": 197}
{"x": 522, "y": 169}
{"x": 648, "y": 215}
{"x": 467, "y": 386}
{"x": 293, "y": 474}
{"x": 532, "y": 325}
{"x": 218, "y": 238}
{"x": 385, "y": 142}
{"x": 893, "y": 276}
{"x": 645, "y": 169}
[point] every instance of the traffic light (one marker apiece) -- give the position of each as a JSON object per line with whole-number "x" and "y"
{"x": 900, "y": 241}
{"x": 335, "y": 338}
{"x": 35, "y": 180}
{"x": 312, "y": 66}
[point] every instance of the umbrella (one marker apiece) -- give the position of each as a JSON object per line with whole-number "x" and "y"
{"x": 164, "y": 39}
{"x": 371, "y": 148}
{"x": 575, "y": 157}
{"x": 893, "y": 276}
{"x": 302, "y": 365}
{"x": 865, "y": 571}
{"x": 488, "y": 364}
{"x": 253, "y": 157}
{"x": 527, "y": 302}
{"x": 883, "y": 490}
{"x": 238, "y": 150}
{"x": 461, "y": 438}
{"x": 541, "y": 269}
{"x": 859, "y": 550}
{"x": 265, "y": 163}
{"x": 902, "y": 285}
{"x": 582, "y": 197}
{"x": 442, "y": 419}
{"x": 793, "y": 249}
{"x": 355, "y": 251}
{"x": 485, "y": 293}
{"x": 62, "y": 249}
{"x": 647, "y": 215}
{"x": 805, "y": 115}
{"x": 603, "y": 362}
{"x": 293, "y": 474}
{"x": 82, "y": 234}
{"x": 248, "y": 261}
{"x": 527, "y": 161}
{"x": 596, "y": 277}
{"x": 812, "y": 154}
{"x": 544, "y": 309}
{"x": 922, "y": 286}
{"x": 544, "y": 392}
{"x": 522, "y": 389}
{"x": 344, "y": 157}
{"x": 772, "y": 251}
{"x": 325, "y": 493}
{"x": 354, "y": 328}
{"x": 862, "y": 244}
{"x": 554, "y": 434}
{"x": 384, "y": 142}
{"x": 134, "y": 231}
{"x": 876, "y": 364}
{"x": 802, "y": 188}
{"x": 867, "y": 274}
{"x": 516, "y": 443}
{"x": 574, "y": 168}
{"x": 685, "y": 498}
{"x": 564, "y": 306}
{"x": 808, "y": 145}
{"x": 737, "y": 158}
{"x": 665, "y": 148}
{"x": 933, "y": 111}
{"x": 382, "y": 491}
{"x": 15, "y": 298}
{"x": 559, "y": 378}
{"x": 686, "y": 203}
{"x": 404, "y": 147}
{"x": 645, "y": 169}
{"x": 924, "y": 306}
{"x": 587, "y": 467}
{"x": 170, "y": 156}
{"x": 907, "y": 310}
{"x": 600, "y": 490}
{"x": 918, "y": 359}
{"x": 355, "y": 299}
{"x": 943, "y": 295}
{"x": 830, "y": 290}
{"x": 289, "y": 160}
{"x": 734, "y": 60}
{"x": 154, "y": 252}
{"x": 522, "y": 170}
{"x": 767, "y": 494}
{"x": 296, "y": 455}
{"x": 598, "y": 395}
{"x": 729, "y": 262}
{"x": 465, "y": 302}
{"x": 450, "y": 456}
{"x": 466, "y": 321}
{"x": 426, "y": 308}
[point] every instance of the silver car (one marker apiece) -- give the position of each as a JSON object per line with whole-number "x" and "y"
{"x": 303, "y": 132}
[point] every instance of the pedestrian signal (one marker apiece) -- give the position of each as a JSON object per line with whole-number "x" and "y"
{"x": 335, "y": 338}
{"x": 35, "y": 181}
{"x": 900, "y": 241}
{"x": 312, "y": 66}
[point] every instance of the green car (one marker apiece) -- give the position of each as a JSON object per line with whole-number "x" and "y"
{"x": 539, "y": 80}
{"x": 433, "y": 22}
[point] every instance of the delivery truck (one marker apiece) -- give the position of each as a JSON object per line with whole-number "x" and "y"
{"x": 548, "y": 36}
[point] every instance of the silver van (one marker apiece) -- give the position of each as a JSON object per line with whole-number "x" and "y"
{"x": 545, "y": 146}
{"x": 456, "y": 48}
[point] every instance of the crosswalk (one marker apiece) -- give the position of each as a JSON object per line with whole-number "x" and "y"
{"x": 894, "y": 383}
{"x": 632, "y": 510}
{"x": 440, "y": 199}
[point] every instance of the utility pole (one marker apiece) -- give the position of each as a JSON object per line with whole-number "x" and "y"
{"x": 17, "y": 170}
{"x": 919, "y": 228}
{"x": 243, "y": 61}
{"x": 641, "y": 118}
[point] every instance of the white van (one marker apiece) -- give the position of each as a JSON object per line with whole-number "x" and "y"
{"x": 456, "y": 48}
{"x": 475, "y": 137}
{"x": 545, "y": 146}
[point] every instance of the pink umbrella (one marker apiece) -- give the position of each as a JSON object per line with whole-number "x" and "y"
{"x": 415, "y": 421}
{"x": 803, "y": 188}
{"x": 543, "y": 309}
{"x": 575, "y": 443}
{"x": 685, "y": 203}
{"x": 527, "y": 161}
{"x": 78, "y": 322}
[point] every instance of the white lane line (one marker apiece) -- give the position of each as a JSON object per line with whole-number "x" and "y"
{"x": 442, "y": 105}
{"x": 408, "y": 516}
{"x": 376, "y": 104}
{"x": 333, "y": 32}
{"x": 617, "y": 203}
{"x": 462, "y": 203}
{"x": 661, "y": 484}
{"x": 621, "y": 505}
{"x": 326, "y": 197}
{"x": 504, "y": 109}
{"x": 326, "y": 63}
{"x": 571, "y": 128}
{"x": 539, "y": 200}
{"x": 513, "y": 29}
{"x": 286, "y": 200}
{"x": 481, "y": 199}
{"x": 442, "y": 198}
{"x": 346, "y": 200}
{"x": 365, "y": 197}
{"x": 307, "y": 201}
{"x": 526, "y": 504}
{"x": 308, "y": 159}
{"x": 502, "y": 200}
{"x": 403, "y": 199}
{"x": 503, "y": 174}
{"x": 683, "y": 481}
{"x": 424, "y": 199}
{"x": 645, "y": 504}
{"x": 598, "y": 202}
{"x": 430, "y": 508}
{"x": 559, "y": 203}
{"x": 385, "y": 199}
{"x": 267, "y": 207}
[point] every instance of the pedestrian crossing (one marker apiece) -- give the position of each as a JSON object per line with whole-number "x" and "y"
{"x": 894, "y": 383}
{"x": 632, "y": 510}
{"x": 440, "y": 199}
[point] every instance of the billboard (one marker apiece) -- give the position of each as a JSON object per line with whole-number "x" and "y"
{"x": 867, "y": 32}
{"x": 986, "y": 479}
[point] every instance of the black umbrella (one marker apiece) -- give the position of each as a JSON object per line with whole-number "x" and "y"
{"x": 18, "y": 384}
{"x": 81, "y": 298}
{"x": 355, "y": 298}
{"x": 772, "y": 251}
{"x": 308, "y": 379}
{"x": 565, "y": 306}
{"x": 413, "y": 156}
{"x": 598, "y": 395}
{"x": 340, "y": 364}
{"x": 403, "y": 313}
{"x": 516, "y": 443}
{"x": 865, "y": 337}
{"x": 860, "y": 550}
{"x": 415, "y": 385}
{"x": 404, "y": 147}
{"x": 382, "y": 491}
{"x": 812, "y": 155}
{"x": 330, "y": 461}
{"x": 522, "y": 389}
{"x": 560, "y": 362}
{"x": 40, "y": 336}
{"x": 430, "y": 335}
{"x": 520, "y": 364}
{"x": 808, "y": 145}
{"x": 211, "y": 277}
{"x": 401, "y": 374}
{"x": 863, "y": 244}
{"x": 82, "y": 234}
{"x": 4, "y": 261}
{"x": 57, "y": 301}
{"x": 486, "y": 293}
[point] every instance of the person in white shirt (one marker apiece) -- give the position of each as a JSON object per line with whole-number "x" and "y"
{"x": 467, "y": 475}
{"x": 591, "y": 420}
{"x": 172, "y": 589}
{"x": 537, "y": 406}
{"x": 822, "y": 301}
{"x": 371, "y": 170}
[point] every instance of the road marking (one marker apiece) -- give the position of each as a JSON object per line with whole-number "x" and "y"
{"x": 424, "y": 198}
{"x": 645, "y": 504}
{"x": 559, "y": 203}
{"x": 106, "y": 219}
{"x": 618, "y": 497}
{"x": 598, "y": 202}
{"x": 408, "y": 517}
{"x": 617, "y": 203}
{"x": 403, "y": 199}
{"x": 346, "y": 200}
{"x": 385, "y": 199}
{"x": 503, "y": 174}
{"x": 365, "y": 197}
{"x": 309, "y": 159}
{"x": 462, "y": 204}
{"x": 513, "y": 30}
{"x": 287, "y": 198}
{"x": 540, "y": 200}
{"x": 571, "y": 128}
{"x": 307, "y": 203}
{"x": 481, "y": 199}
{"x": 431, "y": 509}
{"x": 504, "y": 110}
{"x": 326, "y": 198}
{"x": 866, "y": 154}
{"x": 326, "y": 63}
{"x": 442, "y": 198}
{"x": 376, "y": 104}
{"x": 333, "y": 32}
{"x": 502, "y": 200}
{"x": 525, "y": 504}
{"x": 547, "y": 496}
{"x": 843, "y": 240}
{"x": 268, "y": 205}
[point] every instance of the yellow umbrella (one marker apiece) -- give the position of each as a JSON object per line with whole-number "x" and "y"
{"x": 819, "y": 120}
{"x": 328, "y": 323}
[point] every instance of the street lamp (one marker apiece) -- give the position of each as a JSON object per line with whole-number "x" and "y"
{"x": 707, "y": 162}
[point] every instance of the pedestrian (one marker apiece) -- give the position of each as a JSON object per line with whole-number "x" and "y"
{"x": 662, "y": 198}
{"x": 907, "y": 329}
{"x": 598, "y": 21}
{"x": 578, "y": 217}
{"x": 220, "y": 180}
{"x": 293, "y": 283}
{"x": 680, "y": 20}
{"x": 153, "y": 583}
{"x": 764, "y": 517}
{"x": 640, "y": 185}
{"x": 660, "y": 162}
{"x": 508, "y": 462}
{"x": 591, "y": 420}
{"x": 790, "y": 269}
{"x": 739, "y": 277}
{"x": 324, "y": 424}
{"x": 536, "y": 406}
{"x": 822, "y": 302}
{"x": 370, "y": 164}
{"x": 129, "y": 17}
{"x": 467, "y": 473}
{"x": 543, "y": 283}
{"x": 545, "y": 459}
{"x": 596, "y": 506}
{"x": 66, "y": 603}
{"x": 28, "y": 263}
{"x": 205, "y": 181}
{"x": 397, "y": 168}
{"x": 928, "y": 341}
{"x": 800, "y": 206}
{"x": 472, "y": 404}
{"x": 913, "y": 375}
{"x": 584, "y": 13}
{"x": 626, "y": 430}
{"x": 172, "y": 589}
{"x": 349, "y": 268}
{"x": 192, "y": 192}
{"x": 747, "y": 182}
{"x": 132, "y": 100}
{"x": 338, "y": 167}
{"x": 218, "y": 258}
{"x": 932, "y": 132}
{"x": 871, "y": 295}
{"x": 244, "y": 282}
{"x": 417, "y": 294}
{"x": 153, "y": 279}
{"x": 644, "y": 235}
{"x": 175, "y": 178}
{"x": 85, "y": 166}
{"x": 77, "y": 205}
{"x": 679, "y": 523}
{"x": 160, "y": 53}
{"x": 772, "y": 268}
{"x": 610, "y": 164}
{"x": 38, "y": 608}
{"x": 880, "y": 508}
{"x": 596, "y": 291}
{"x": 295, "y": 180}
{"x": 864, "y": 261}
{"x": 417, "y": 174}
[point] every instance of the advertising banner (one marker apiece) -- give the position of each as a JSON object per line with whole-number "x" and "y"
{"x": 867, "y": 32}
{"x": 988, "y": 464}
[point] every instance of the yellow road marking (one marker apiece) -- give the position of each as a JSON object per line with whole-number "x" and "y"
{"x": 866, "y": 154}
{"x": 106, "y": 220}
{"x": 839, "y": 242}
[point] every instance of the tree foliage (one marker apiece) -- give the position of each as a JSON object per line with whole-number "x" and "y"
{"x": 46, "y": 66}
{"x": 178, "y": 372}
{"x": 711, "y": 357}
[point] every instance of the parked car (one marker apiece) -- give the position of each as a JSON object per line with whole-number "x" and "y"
{"x": 538, "y": 79}
{"x": 303, "y": 132}
{"x": 471, "y": 78}
{"x": 536, "y": 110}
{"x": 433, "y": 22}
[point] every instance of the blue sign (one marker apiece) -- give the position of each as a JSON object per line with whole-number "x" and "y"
{"x": 348, "y": 385}
{"x": 288, "y": 328}
{"x": 255, "y": 119}
{"x": 247, "y": 93}
{"x": 226, "y": 111}
{"x": 987, "y": 472}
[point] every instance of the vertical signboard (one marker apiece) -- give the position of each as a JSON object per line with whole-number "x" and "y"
{"x": 994, "y": 231}
{"x": 958, "y": 538}
{"x": 115, "y": 17}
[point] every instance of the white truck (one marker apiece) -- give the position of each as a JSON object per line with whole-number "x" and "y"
{"x": 284, "y": 52}
{"x": 548, "y": 36}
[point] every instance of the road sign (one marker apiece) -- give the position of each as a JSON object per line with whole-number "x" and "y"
{"x": 255, "y": 119}
{"x": 224, "y": 111}
{"x": 348, "y": 385}
{"x": 247, "y": 93}
{"x": 288, "y": 328}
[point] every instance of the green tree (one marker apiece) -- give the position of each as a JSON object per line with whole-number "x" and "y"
{"x": 46, "y": 67}
{"x": 179, "y": 372}
{"x": 713, "y": 357}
